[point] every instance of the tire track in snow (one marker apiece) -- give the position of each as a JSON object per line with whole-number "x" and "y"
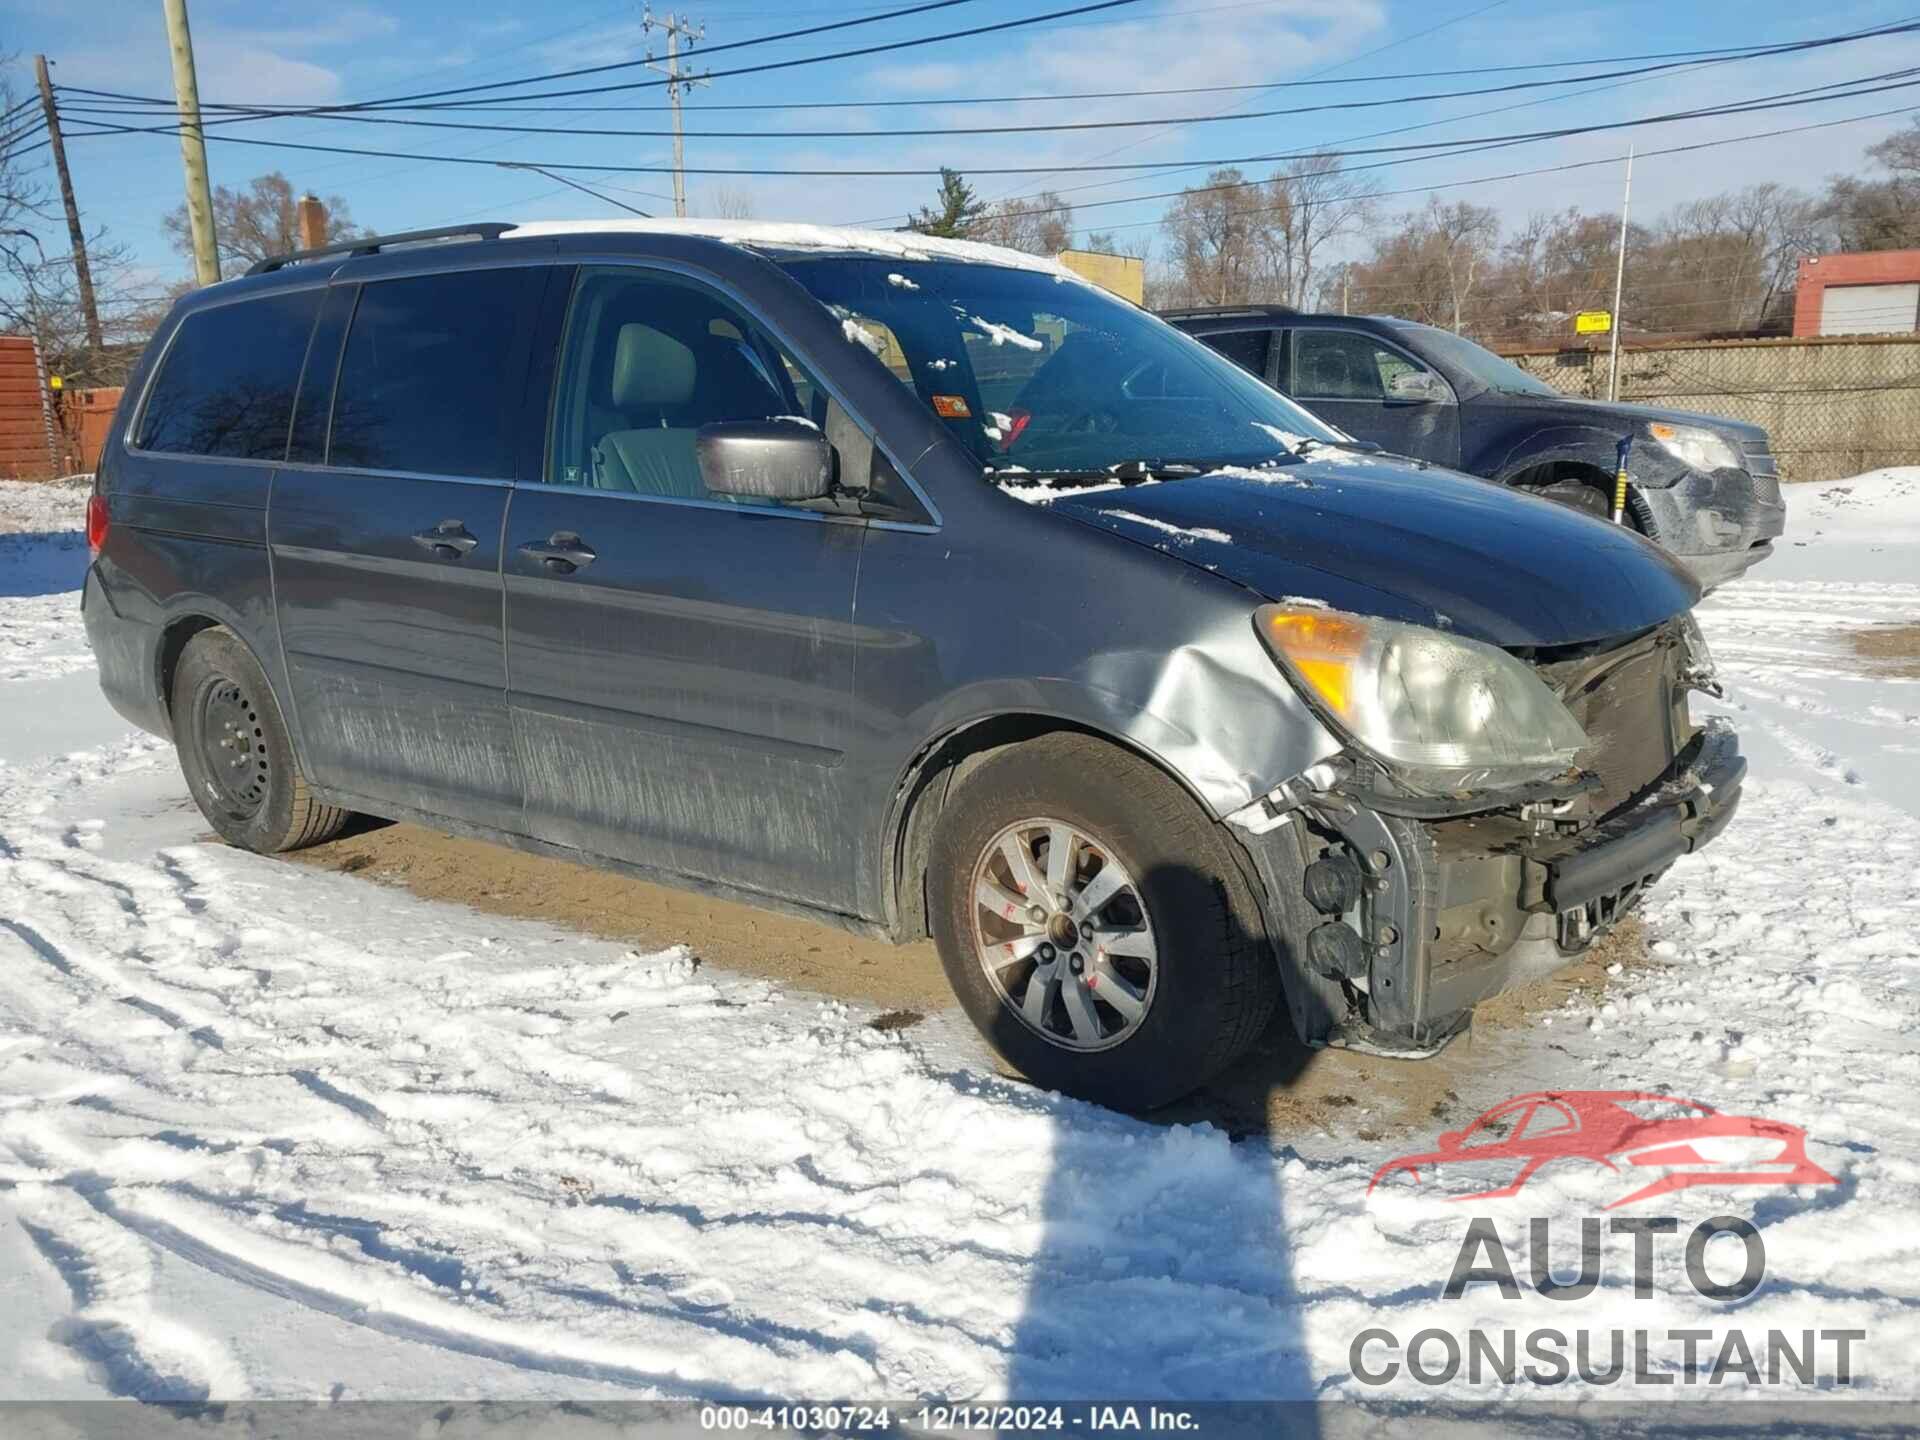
{"x": 135, "y": 1352}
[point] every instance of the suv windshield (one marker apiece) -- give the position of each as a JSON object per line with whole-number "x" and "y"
{"x": 1485, "y": 366}
{"x": 1033, "y": 372}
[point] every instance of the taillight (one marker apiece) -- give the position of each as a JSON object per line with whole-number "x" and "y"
{"x": 96, "y": 522}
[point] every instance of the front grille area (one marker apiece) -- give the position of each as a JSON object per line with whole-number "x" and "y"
{"x": 1632, "y": 704}
{"x": 1757, "y": 456}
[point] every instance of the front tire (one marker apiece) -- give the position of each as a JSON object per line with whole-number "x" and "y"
{"x": 1096, "y": 925}
{"x": 236, "y": 754}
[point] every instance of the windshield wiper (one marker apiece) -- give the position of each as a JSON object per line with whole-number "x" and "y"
{"x": 1126, "y": 472}
{"x": 1366, "y": 447}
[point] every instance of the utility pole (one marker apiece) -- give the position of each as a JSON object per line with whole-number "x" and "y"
{"x": 1346, "y": 287}
{"x": 1619, "y": 285}
{"x": 82, "y": 271}
{"x": 676, "y": 26}
{"x": 193, "y": 144}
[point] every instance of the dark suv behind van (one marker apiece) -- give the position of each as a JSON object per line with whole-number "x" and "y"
{"x": 1705, "y": 487}
{"x": 912, "y": 585}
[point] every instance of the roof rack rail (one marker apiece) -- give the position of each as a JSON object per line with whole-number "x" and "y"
{"x": 374, "y": 244}
{"x": 1253, "y": 307}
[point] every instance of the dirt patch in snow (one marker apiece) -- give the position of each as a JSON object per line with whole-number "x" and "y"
{"x": 1890, "y": 649}
{"x": 1621, "y": 949}
{"x": 1278, "y": 1091}
{"x": 499, "y": 881}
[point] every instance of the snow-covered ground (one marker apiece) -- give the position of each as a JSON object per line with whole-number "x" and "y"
{"x": 273, "y": 1132}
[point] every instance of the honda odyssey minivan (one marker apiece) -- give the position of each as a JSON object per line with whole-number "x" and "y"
{"x": 913, "y": 585}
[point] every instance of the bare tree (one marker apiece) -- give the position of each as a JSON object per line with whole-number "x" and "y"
{"x": 1217, "y": 241}
{"x": 728, "y": 202}
{"x": 1900, "y": 151}
{"x": 39, "y": 293}
{"x": 1039, "y": 224}
{"x": 1136, "y": 246}
{"x": 1430, "y": 264}
{"x": 260, "y": 220}
{"x": 1311, "y": 203}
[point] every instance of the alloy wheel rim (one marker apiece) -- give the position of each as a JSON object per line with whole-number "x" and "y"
{"x": 233, "y": 748}
{"x": 1062, "y": 933}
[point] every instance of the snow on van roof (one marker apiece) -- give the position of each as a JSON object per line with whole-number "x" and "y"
{"x": 783, "y": 235}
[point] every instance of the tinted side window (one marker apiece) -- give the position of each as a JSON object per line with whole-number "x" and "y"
{"x": 1338, "y": 365}
{"x": 428, "y": 379}
{"x": 1335, "y": 365}
{"x": 1246, "y": 348}
{"x": 308, "y": 445}
{"x": 226, "y": 384}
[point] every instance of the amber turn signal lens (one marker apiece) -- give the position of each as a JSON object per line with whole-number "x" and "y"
{"x": 1321, "y": 647}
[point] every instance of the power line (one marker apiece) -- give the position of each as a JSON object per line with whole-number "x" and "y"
{"x": 1476, "y": 149}
{"x": 1898, "y": 80}
{"x": 507, "y": 104}
{"x": 1024, "y": 129}
{"x": 1324, "y": 70}
{"x": 1703, "y": 64}
{"x": 576, "y": 185}
{"x": 1437, "y": 124}
{"x": 968, "y": 33}
{"x": 24, "y": 132}
{"x": 1522, "y": 174}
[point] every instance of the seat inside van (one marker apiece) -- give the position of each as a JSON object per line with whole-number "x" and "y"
{"x": 662, "y": 361}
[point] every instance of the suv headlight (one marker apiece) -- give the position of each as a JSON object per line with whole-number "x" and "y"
{"x": 1702, "y": 449}
{"x": 1441, "y": 711}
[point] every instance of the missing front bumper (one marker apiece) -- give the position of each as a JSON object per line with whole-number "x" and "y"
{"x": 1455, "y": 911}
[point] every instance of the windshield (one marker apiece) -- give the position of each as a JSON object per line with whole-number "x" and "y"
{"x": 1035, "y": 373}
{"x": 1485, "y": 366}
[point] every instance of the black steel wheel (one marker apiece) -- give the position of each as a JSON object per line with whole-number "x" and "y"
{"x": 236, "y": 754}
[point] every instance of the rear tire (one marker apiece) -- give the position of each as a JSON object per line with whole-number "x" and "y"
{"x": 1160, "y": 982}
{"x": 236, "y": 754}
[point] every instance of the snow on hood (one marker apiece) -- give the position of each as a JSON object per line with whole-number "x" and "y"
{"x": 784, "y": 235}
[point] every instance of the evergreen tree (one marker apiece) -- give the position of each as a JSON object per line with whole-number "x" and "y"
{"x": 959, "y": 207}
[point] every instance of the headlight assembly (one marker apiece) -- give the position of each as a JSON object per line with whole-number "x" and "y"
{"x": 1702, "y": 449}
{"x": 1441, "y": 711}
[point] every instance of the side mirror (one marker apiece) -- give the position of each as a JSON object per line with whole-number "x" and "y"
{"x": 1421, "y": 387}
{"x": 779, "y": 458}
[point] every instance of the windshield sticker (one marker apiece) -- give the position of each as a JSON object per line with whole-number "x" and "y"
{"x": 951, "y": 407}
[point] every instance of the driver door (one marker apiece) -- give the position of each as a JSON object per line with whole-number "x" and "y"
{"x": 1375, "y": 391}
{"x": 680, "y": 663}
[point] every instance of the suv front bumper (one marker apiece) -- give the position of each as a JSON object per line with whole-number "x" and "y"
{"x": 1456, "y": 908}
{"x": 1721, "y": 523}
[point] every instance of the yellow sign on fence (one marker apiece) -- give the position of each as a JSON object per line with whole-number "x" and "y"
{"x": 1593, "y": 322}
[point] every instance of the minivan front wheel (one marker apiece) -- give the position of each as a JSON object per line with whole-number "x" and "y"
{"x": 235, "y": 752}
{"x": 1094, "y": 924}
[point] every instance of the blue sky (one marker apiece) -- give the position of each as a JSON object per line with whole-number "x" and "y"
{"x": 260, "y": 51}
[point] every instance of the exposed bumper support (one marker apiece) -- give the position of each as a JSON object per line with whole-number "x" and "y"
{"x": 1455, "y": 911}
{"x": 1635, "y": 846}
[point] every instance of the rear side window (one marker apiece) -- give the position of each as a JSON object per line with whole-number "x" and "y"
{"x": 429, "y": 380}
{"x": 227, "y": 382}
{"x": 1246, "y": 348}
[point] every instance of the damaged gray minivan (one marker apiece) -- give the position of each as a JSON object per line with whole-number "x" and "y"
{"x": 912, "y": 585}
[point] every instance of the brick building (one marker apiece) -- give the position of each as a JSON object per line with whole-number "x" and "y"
{"x": 1869, "y": 293}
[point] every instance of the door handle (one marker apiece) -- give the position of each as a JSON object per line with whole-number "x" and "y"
{"x": 450, "y": 540}
{"x": 563, "y": 553}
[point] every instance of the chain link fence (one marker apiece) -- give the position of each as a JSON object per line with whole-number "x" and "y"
{"x": 1833, "y": 407}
